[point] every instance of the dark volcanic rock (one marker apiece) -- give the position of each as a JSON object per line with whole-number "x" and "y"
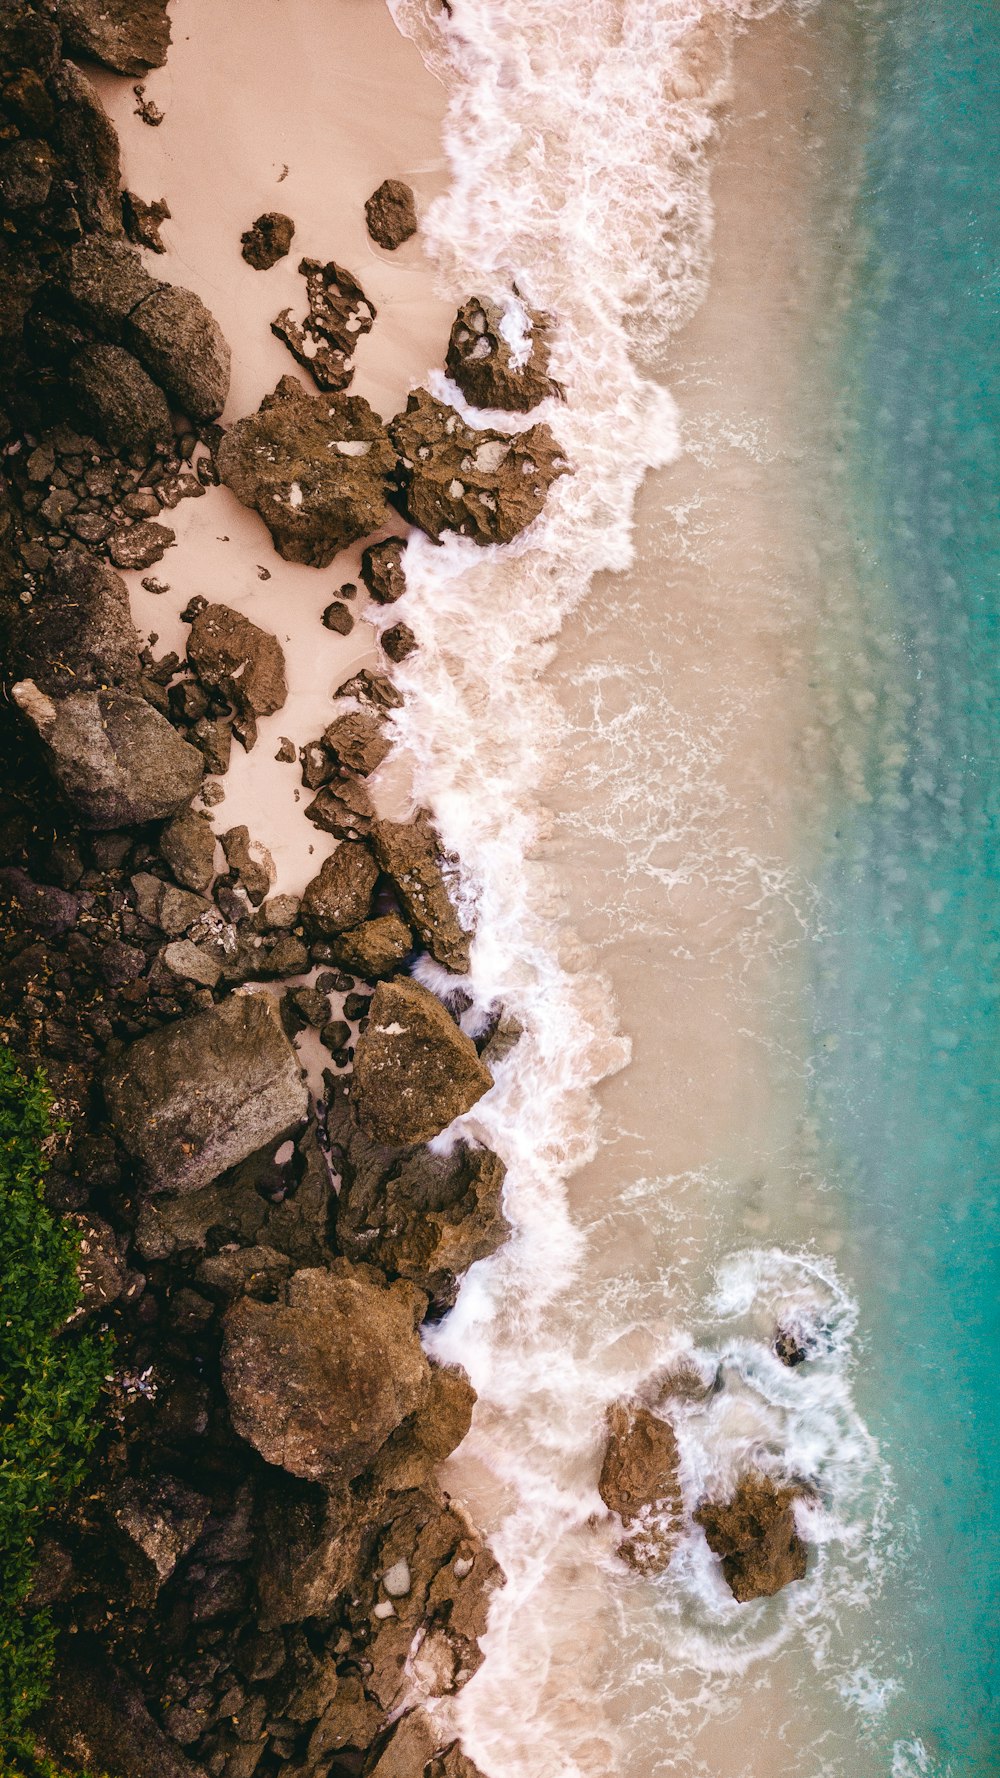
{"x": 78, "y": 630}
{"x": 391, "y": 214}
{"x": 414, "y": 1070}
{"x": 382, "y": 570}
{"x": 409, "y": 853}
{"x": 130, "y": 36}
{"x": 95, "y": 1718}
{"x": 88, "y": 142}
{"x": 268, "y": 240}
{"x": 308, "y": 1544}
{"x": 755, "y": 1535}
{"x": 316, "y": 468}
{"x": 399, "y": 642}
{"x": 117, "y": 762}
{"x": 358, "y": 741}
{"x": 481, "y": 361}
{"x": 232, "y": 655}
{"x": 118, "y": 400}
{"x": 639, "y": 1482}
{"x": 188, "y": 845}
{"x": 182, "y": 346}
{"x": 482, "y": 484}
{"x": 140, "y": 546}
{"x": 317, "y": 1382}
{"x": 340, "y": 895}
{"x": 376, "y": 949}
{"x": 106, "y": 280}
{"x": 339, "y": 314}
{"x": 199, "y": 1096}
{"x": 142, "y": 221}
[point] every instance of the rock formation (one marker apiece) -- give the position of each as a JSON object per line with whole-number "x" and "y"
{"x": 488, "y": 368}
{"x": 129, "y": 36}
{"x": 234, "y": 656}
{"x": 409, "y": 853}
{"x": 115, "y": 759}
{"x": 340, "y": 896}
{"x": 755, "y": 1535}
{"x": 639, "y": 1482}
{"x": 268, "y": 240}
{"x": 339, "y": 315}
{"x": 414, "y": 1070}
{"x": 391, "y": 214}
{"x": 382, "y": 570}
{"x": 482, "y": 484}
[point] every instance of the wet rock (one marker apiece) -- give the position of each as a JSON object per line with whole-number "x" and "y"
{"x": 755, "y": 1535}
{"x": 315, "y": 468}
{"x": 487, "y": 369}
{"x": 182, "y": 346}
{"x": 233, "y": 656}
{"x": 374, "y": 689}
{"x": 382, "y": 570}
{"x": 339, "y": 315}
{"x": 88, "y": 144}
{"x": 794, "y": 1344}
{"x": 118, "y": 400}
{"x": 409, "y": 853}
{"x": 200, "y": 1095}
{"x": 130, "y": 36}
{"x": 139, "y": 546}
{"x": 391, "y": 214}
{"x": 639, "y": 1482}
{"x": 117, "y": 762}
{"x": 482, "y": 484}
{"x": 142, "y": 221}
{"x": 358, "y": 742}
{"x": 414, "y": 1070}
{"x": 375, "y": 949}
{"x": 317, "y": 1382}
{"x": 95, "y": 1718}
{"x": 416, "y": 1750}
{"x": 343, "y": 808}
{"x": 340, "y": 895}
{"x": 162, "y": 1518}
{"x": 268, "y": 240}
{"x": 78, "y": 630}
{"x": 188, "y": 845}
{"x": 398, "y": 642}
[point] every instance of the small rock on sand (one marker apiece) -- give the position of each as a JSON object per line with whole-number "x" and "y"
{"x": 268, "y": 240}
{"x": 391, "y": 214}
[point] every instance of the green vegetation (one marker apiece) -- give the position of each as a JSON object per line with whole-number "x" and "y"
{"x": 50, "y": 1381}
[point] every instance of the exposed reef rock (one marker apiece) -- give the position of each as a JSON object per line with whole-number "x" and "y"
{"x": 237, "y": 658}
{"x": 116, "y": 760}
{"x": 639, "y": 1482}
{"x": 339, "y": 315}
{"x": 482, "y": 484}
{"x": 358, "y": 742}
{"x": 316, "y": 468}
{"x": 391, "y": 214}
{"x": 414, "y": 1070}
{"x": 755, "y": 1535}
{"x": 490, "y": 370}
{"x": 202, "y": 1094}
{"x": 268, "y": 240}
{"x": 409, "y": 853}
{"x": 376, "y": 949}
{"x": 129, "y": 36}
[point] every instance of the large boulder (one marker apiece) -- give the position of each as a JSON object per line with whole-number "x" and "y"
{"x": 308, "y": 1542}
{"x": 414, "y": 1070}
{"x": 639, "y": 1482}
{"x": 234, "y": 656}
{"x": 88, "y": 144}
{"x": 106, "y": 280}
{"x": 317, "y": 1382}
{"x": 78, "y": 629}
{"x": 117, "y": 761}
{"x": 340, "y": 896}
{"x": 358, "y": 742}
{"x": 118, "y": 400}
{"x": 409, "y": 853}
{"x": 376, "y": 949}
{"x": 490, "y": 370}
{"x": 482, "y": 484}
{"x": 316, "y": 468}
{"x": 130, "y": 36}
{"x": 755, "y": 1535}
{"x": 199, "y": 1096}
{"x": 183, "y": 348}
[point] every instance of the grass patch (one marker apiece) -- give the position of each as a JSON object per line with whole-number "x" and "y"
{"x": 50, "y": 1381}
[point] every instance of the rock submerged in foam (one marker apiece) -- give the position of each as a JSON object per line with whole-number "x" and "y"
{"x": 639, "y": 1482}
{"x": 755, "y": 1535}
{"x": 489, "y": 370}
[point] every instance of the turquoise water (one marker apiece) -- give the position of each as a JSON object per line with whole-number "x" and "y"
{"x": 907, "y": 984}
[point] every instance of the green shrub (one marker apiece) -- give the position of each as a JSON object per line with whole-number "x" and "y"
{"x": 50, "y": 1381}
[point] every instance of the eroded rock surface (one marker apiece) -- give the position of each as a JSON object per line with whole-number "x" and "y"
{"x": 340, "y": 895}
{"x": 755, "y": 1535}
{"x": 339, "y": 315}
{"x": 376, "y": 949}
{"x": 500, "y": 358}
{"x": 117, "y": 761}
{"x": 78, "y": 631}
{"x": 268, "y": 240}
{"x": 482, "y": 484}
{"x": 391, "y": 214}
{"x": 382, "y": 570}
{"x": 639, "y": 1482}
{"x": 414, "y": 1070}
{"x": 409, "y": 853}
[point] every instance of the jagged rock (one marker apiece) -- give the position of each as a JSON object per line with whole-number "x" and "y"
{"x": 130, "y": 36}
{"x": 94, "y": 1717}
{"x": 482, "y": 484}
{"x": 639, "y": 1482}
{"x": 336, "y": 617}
{"x": 343, "y": 808}
{"x": 106, "y": 280}
{"x": 398, "y": 642}
{"x": 40, "y": 907}
{"x": 308, "y": 1544}
{"x": 483, "y": 363}
{"x": 188, "y": 845}
{"x": 233, "y": 656}
{"x": 339, "y": 315}
{"x": 371, "y": 688}
{"x": 316, "y": 468}
{"x": 118, "y": 400}
{"x": 142, "y": 221}
{"x": 183, "y": 348}
{"x": 268, "y": 240}
{"x": 26, "y": 173}
{"x": 78, "y": 629}
{"x": 340, "y": 896}
{"x": 414, "y": 1070}
{"x": 317, "y": 1382}
{"x": 141, "y": 545}
{"x": 416, "y": 1750}
{"x": 200, "y": 1095}
{"x": 117, "y": 762}
{"x": 409, "y": 853}
{"x": 375, "y": 949}
{"x": 162, "y": 1518}
{"x": 358, "y": 742}
{"x": 193, "y": 963}
{"x": 101, "y": 1265}
{"x": 246, "y": 1271}
{"x": 755, "y": 1535}
{"x": 239, "y": 1209}
{"x": 88, "y": 144}
{"x": 382, "y": 570}
{"x": 173, "y": 910}
{"x": 391, "y": 214}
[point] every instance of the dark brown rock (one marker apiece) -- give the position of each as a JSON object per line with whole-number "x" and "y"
{"x": 233, "y": 656}
{"x": 95, "y": 1718}
{"x": 482, "y": 484}
{"x": 88, "y": 144}
{"x": 340, "y": 895}
{"x": 376, "y": 949}
{"x": 268, "y": 240}
{"x": 106, "y": 280}
{"x": 398, "y": 642}
{"x": 118, "y": 401}
{"x": 382, "y": 570}
{"x": 161, "y": 1517}
{"x": 78, "y": 630}
{"x": 358, "y": 742}
{"x": 481, "y": 361}
{"x": 130, "y": 36}
{"x": 101, "y": 1265}
{"x": 755, "y": 1535}
{"x": 409, "y": 853}
{"x": 139, "y": 546}
{"x": 117, "y": 762}
{"x": 391, "y": 214}
{"x": 337, "y": 617}
{"x": 188, "y": 845}
{"x": 142, "y": 221}
{"x": 316, "y": 468}
{"x": 181, "y": 345}
{"x": 339, "y": 315}
{"x": 343, "y": 808}
{"x": 639, "y": 1481}
{"x": 308, "y": 1544}
{"x": 249, "y": 861}
{"x": 318, "y": 1381}
{"x": 371, "y": 688}
{"x": 414, "y": 1070}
